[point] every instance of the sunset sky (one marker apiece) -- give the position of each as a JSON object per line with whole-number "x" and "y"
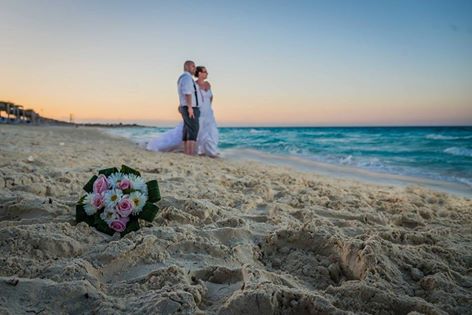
{"x": 270, "y": 62}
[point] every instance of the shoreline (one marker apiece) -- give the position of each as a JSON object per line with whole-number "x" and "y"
{"x": 348, "y": 172}
{"x": 337, "y": 171}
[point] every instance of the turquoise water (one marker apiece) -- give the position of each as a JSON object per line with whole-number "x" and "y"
{"x": 440, "y": 153}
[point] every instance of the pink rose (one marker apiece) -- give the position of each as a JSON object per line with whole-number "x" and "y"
{"x": 97, "y": 201}
{"x": 101, "y": 184}
{"x": 124, "y": 207}
{"x": 124, "y": 184}
{"x": 119, "y": 225}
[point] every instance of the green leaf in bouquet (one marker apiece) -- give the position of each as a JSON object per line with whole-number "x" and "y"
{"x": 89, "y": 186}
{"x": 90, "y": 219}
{"x": 133, "y": 225}
{"x": 80, "y": 214}
{"x": 108, "y": 171}
{"x": 101, "y": 225}
{"x": 128, "y": 170}
{"x": 154, "y": 194}
{"x": 149, "y": 212}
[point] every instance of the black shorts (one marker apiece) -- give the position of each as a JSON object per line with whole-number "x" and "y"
{"x": 191, "y": 125}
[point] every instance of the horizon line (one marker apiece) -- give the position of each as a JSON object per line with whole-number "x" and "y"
{"x": 241, "y": 125}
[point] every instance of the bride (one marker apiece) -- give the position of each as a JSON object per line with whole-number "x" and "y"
{"x": 207, "y": 140}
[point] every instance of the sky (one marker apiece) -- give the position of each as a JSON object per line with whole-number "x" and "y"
{"x": 316, "y": 63}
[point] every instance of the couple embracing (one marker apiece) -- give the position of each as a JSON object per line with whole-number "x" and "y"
{"x": 198, "y": 132}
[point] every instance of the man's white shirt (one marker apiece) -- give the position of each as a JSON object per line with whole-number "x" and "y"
{"x": 186, "y": 86}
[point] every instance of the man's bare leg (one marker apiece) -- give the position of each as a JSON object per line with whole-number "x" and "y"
{"x": 189, "y": 147}
{"x": 192, "y": 147}
{"x": 185, "y": 147}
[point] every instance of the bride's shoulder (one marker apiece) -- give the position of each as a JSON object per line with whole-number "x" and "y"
{"x": 207, "y": 85}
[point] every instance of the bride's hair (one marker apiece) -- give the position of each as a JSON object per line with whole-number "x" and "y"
{"x": 198, "y": 70}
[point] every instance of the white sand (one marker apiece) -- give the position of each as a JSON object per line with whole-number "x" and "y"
{"x": 231, "y": 238}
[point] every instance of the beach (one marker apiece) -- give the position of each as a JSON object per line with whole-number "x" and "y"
{"x": 231, "y": 237}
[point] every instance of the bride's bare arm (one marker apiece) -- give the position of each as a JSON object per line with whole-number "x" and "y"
{"x": 209, "y": 87}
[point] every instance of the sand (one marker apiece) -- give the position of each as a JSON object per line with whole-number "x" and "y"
{"x": 231, "y": 237}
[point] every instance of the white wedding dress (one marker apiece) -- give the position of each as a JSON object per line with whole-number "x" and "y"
{"x": 207, "y": 139}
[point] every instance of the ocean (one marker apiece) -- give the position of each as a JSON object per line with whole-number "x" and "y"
{"x": 435, "y": 153}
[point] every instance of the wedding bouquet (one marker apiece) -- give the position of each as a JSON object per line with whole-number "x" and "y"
{"x": 116, "y": 199}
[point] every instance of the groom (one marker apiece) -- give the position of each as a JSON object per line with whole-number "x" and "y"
{"x": 189, "y": 109}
